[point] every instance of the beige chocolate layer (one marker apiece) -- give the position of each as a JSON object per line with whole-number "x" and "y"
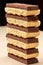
{"x": 23, "y": 23}
{"x": 21, "y": 11}
{"x": 21, "y": 44}
{"x": 22, "y": 33}
{"x": 21, "y": 54}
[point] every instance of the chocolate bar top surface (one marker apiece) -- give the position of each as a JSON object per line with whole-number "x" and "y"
{"x": 26, "y": 61}
{"x": 26, "y": 41}
{"x": 27, "y": 18}
{"x": 22, "y": 6}
{"x": 26, "y": 51}
{"x": 25, "y": 29}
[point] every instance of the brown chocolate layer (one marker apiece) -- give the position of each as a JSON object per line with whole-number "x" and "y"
{"x": 26, "y": 41}
{"x": 28, "y": 29}
{"x": 27, "y": 62}
{"x": 27, "y": 18}
{"x": 22, "y": 6}
{"x": 26, "y": 51}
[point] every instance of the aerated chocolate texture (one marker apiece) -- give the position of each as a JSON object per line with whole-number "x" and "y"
{"x": 27, "y": 18}
{"x": 26, "y": 51}
{"x": 26, "y": 41}
{"x": 27, "y": 62}
{"x": 31, "y": 29}
{"x": 22, "y": 9}
{"x": 22, "y": 29}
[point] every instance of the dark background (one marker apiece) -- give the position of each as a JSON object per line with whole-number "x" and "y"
{"x": 3, "y": 4}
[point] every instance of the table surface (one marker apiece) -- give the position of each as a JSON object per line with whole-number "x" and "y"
{"x": 5, "y": 60}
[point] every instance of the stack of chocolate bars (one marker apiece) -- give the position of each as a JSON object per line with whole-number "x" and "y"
{"x": 22, "y": 30}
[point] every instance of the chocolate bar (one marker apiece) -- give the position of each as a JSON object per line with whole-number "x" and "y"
{"x": 22, "y": 31}
{"x": 22, "y": 42}
{"x": 28, "y": 21}
{"x": 27, "y": 62}
{"x": 22, "y": 9}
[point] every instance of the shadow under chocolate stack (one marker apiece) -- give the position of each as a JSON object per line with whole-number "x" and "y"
{"x": 22, "y": 30}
